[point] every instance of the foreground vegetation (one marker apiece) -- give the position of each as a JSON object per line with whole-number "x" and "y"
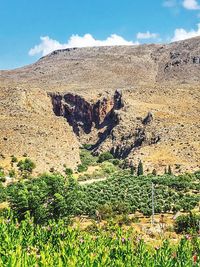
{"x": 56, "y": 244}
{"x": 36, "y": 229}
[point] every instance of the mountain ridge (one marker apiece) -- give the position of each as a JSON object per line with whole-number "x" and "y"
{"x": 159, "y": 79}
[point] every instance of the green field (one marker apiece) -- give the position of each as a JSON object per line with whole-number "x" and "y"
{"x": 56, "y": 244}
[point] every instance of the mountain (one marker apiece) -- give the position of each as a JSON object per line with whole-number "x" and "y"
{"x": 139, "y": 102}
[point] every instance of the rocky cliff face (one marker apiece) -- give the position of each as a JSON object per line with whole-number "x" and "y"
{"x": 83, "y": 116}
{"x": 101, "y": 121}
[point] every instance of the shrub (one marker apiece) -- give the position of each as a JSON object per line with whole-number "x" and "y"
{"x": 87, "y": 146}
{"x": 2, "y": 179}
{"x": 68, "y": 171}
{"x": 108, "y": 167}
{"x": 105, "y": 156}
{"x": 13, "y": 159}
{"x": 105, "y": 211}
{"x": 82, "y": 168}
{"x": 2, "y": 193}
{"x": 197, "y": 174}
{"x": 52, "y": 169}
{"x": 124, "y": 220}
{"x": 1, "y": 172}
{"x": 87, "y": 158}
{"x": 187, "y": 223}
{"x": 115, "y": 162}
{"x": 154, "y": 172}
{"x": 26, "y": 165}
{"x": 12, "y": 173}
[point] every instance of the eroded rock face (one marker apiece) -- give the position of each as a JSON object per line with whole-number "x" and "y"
{"x": 148, "y": 119}
{"x": 77, "y": 111}
{"x": 83, "y": 115}
{"x": 103, "y": 123}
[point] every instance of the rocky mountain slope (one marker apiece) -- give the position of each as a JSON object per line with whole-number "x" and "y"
{"x": 139, "y": 102}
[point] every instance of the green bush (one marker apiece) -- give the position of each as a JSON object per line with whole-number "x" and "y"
{"x": 87, "y": 158}
{"x": 2, "y": 174}
{"x": 105, "y": 156}
{"x": 82, "y": 168}
{"x": 68, "y": 171}
{"x": 87, "y": 146}
{"x": 108, "y": 167}
{"x": 26, "y": 165}
{"x": 115, "y": 162}
{"x": 57, "y": 244}
{"x": 12, "y": 173}
{"x": 13, "y": 159}
{"x": 2, "y": 179}
{"x": 105, "y": 211}
{"x": 124, "y": 220}
{"x": 197, "y": 174}
{"x": 187, "y": 223}
{"x": 2, "y": 193}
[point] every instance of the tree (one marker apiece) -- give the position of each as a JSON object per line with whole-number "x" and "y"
{"x": 68, "y": 171}
{"x": 132, "y": 167}
{"x": 140, "y": 169}
{"x": 12, "y": 173}
{"x": 154, "y": 172}
{"x": 169, "y": 170}
{"x": 187, "y": 223}
{"x": 105, "y": 156}
{"x": 13, "y": 159}
{"x": 82, "y": 168}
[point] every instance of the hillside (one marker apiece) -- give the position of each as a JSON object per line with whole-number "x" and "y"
{"x": 140, "y": 102}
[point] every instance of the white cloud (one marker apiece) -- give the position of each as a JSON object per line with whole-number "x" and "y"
{"x": 48, "y": 45}
{"x": 182, "y": 34}
{"x": 147, "y": 35}
{"x": 191, "y": 4}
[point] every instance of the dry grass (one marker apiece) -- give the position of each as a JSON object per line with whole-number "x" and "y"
{"x": 4, "y": 205}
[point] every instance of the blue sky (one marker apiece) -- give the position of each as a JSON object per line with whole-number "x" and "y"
{"x": 32, "y": 28}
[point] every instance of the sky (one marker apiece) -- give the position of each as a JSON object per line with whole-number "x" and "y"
{"x": 30, "y": 29}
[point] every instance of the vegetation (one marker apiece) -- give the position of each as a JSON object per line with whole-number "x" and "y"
{"x": 13, "y": 159}
{"x": 87, "y": 159}
{"x": 56, "y": 244}
{"x": 2, "y": 174}
{"x": 47, "y": 197}
{"x": 105, "y": 156}
{"x": 169, "y": 170}
{"x": 187, "y": 223}
{"x": 54, "y": 196}
{"x": 82, "y": 168}
{"x": 36, "y": 230}
{"x": 68, "y": 171}
{"x": 26, "y": 166}
{"x": 140, "y": 169}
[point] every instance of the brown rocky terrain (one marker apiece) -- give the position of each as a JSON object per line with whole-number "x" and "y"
{"x": 139, "y": 102}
